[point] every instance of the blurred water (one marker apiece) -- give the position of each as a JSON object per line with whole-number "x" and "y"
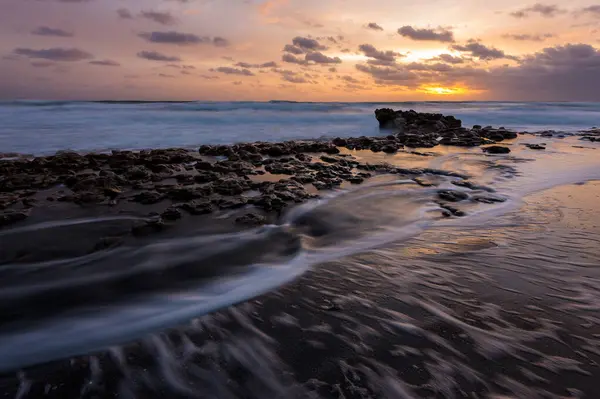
{"x": 43, "y": 127}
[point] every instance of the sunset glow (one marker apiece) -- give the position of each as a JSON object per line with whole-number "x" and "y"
{"x": 305, "y": 50}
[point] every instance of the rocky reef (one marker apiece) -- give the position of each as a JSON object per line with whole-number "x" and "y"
{"x": 266, "y": 176}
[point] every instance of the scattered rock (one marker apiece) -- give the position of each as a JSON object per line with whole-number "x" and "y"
{"x": 535, "y": 146}
{"x": 496, "y": 149}
{"x": 148, "y": 197}
{"x": 148, "y": 227}
{"x": 171, "y": 213}
{"x": 251, "y": 219}
{"x": 11, "y": 217}
{"x": 197, "y": 207}
{"x": 452, "y": 196}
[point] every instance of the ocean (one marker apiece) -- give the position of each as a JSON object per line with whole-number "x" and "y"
{"x": 44, "y": 127}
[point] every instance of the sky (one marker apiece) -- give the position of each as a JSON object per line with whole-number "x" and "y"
{"x": 301, "y": 50}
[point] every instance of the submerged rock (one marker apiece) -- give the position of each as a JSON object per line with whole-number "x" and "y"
{"x": 251, "y": 219}
{"x": 452, "y": 196}
{"x": 496, "y": 149}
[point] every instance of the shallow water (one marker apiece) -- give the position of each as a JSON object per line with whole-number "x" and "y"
{"x": 44, "y": 127}
{"x": 369, "y": 291}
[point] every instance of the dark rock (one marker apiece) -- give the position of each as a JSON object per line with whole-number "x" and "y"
{"x": 326, "y": 158}
{"x": 251, "y": 219}
{"x": 202, "y": 165}
{"x": 496, "y": 149}
{"x": 452, "y": 196}
{"x": 171, "y": 213}
{"x": 197, "y": 207}
{"x": 451, "y": 211}
{"x": 148, "y": 227}
{"x": 235, "y": 202}
{"x": 138, "y": 173}
{"x": 535, "y": 146}
{"x": 340, "y": 142}
{"x": 356, "y": 179}
{"x": 425, "y": 182}
{"x": 178, "y": 193}
{"x": 11, "y": 217}
{"x": 389, "y": 148}
{"x": 107, "y": 243}
{"x": 230, "y": 186}
{"x": 148, "y": 197}
{"x": 487, "y": 199}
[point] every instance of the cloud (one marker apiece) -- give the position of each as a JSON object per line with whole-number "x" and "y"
{"x": 294, "y": 79}
{"x": 395, "y": 74}
{"x": 321, "y": 58}
{"x": 105, "y": 63}
{"x": 293, "y": 59}
{"x": 41, "y": 64}
{"x": 156, "y": 56}
{"x": 55, "y": 54}
{"x": 350, "y": 79}
{"x": 164, "y": 75}
{"x": 47, "y": 31}
{"x": 307, "y": 44}
{"x": 438, "y": 35}
{"x": 289, "y": 48}
{"x": 371, "y": 52}
{"x": 554, "y": 73}
{"x": 234, "y": 71}
{"x": 478, "y": 50}
{"x": 124, "y": 13}
{"x": 172, "y": 37}
{"x": 545, "y": 10}
{"x": 448, "y": 58}
{"x": 270, "y": 64}
{"x": 208, "y": 77}
{"x": 220, "y": 41}
{"x": 593, "y": 10}
{"x": 163, "y": 18}
{"x": 529, "y": 37}
{"x": 373, "y": 26}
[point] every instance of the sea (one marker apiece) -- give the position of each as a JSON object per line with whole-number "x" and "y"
{"x": 368, "y": 291}
{"x": 44, "y": 127}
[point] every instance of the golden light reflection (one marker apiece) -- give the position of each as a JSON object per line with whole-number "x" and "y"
{"x": 443, "y": 91}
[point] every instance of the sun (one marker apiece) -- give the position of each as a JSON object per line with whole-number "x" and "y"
{"x": 443, "y": 91}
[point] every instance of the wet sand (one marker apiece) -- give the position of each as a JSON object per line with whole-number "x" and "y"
{"x": 396, "y": 287}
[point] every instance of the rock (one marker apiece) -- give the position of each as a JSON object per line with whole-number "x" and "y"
{"x": 476, "y": 127}
{"x": 148, "y": 197}
{"x": 535, "y": 146}
{"x": 389, "y": 148}
{"x": 487, "y": 199}
{"x": 452, "y": 196}
{"x": 138, "y": 173}
{"x": 451, "y": 211}
{"x": 148, "y": 227}
{"x": 107, "y": 243}
{"x": 340, "y": 142}
{"x": 235, "y": 202}
{"x": 356, "y": 179}
{"x": 197, "y": 207}
{"x": 496, "y": 149}
{"x": 425, "y": 182}
{"x": 326, "y": 158}
{"x": 171, "y": 213}
{"x": 178, "y": 193}
{"x": 251, "y": 219}
{"x": 11, "y": 217}
{"x": 230, "y": 186}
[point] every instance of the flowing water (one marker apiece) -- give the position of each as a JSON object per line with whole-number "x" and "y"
{"x": 44, "y": 127}
{"x": 367, "y": 292}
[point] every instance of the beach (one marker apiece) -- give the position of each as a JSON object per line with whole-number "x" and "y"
{"x": 428, "y": 259}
